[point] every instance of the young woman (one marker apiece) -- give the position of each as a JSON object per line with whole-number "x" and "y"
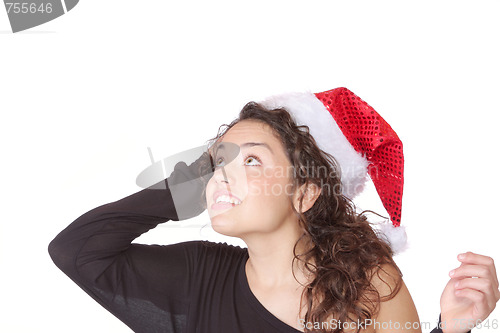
{"x": 312, "y": 264}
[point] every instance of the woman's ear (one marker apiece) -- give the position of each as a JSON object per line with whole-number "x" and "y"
{"x": 311, "y": 194}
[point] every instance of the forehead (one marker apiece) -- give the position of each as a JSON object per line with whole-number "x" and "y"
{"x": 255, "y": 131}
{"x": 247, "y": 130}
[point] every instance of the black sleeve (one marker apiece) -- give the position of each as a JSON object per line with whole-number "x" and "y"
{"x": 145, "y": 286}
{"x": 438, "y": 328}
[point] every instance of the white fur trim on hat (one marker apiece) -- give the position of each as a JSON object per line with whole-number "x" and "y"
{"x": 308, "y": 110}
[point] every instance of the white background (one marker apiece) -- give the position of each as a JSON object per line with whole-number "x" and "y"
{"x": 83, "y": 96}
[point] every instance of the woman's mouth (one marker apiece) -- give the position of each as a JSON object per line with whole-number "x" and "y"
{"x": 223, "y": 205}
{"x": 224, "y": 200}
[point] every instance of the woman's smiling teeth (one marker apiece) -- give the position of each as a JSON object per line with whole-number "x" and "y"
{"x": 228, "y": 199}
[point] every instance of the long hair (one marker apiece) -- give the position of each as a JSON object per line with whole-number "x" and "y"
{"x": 344, "y": 252}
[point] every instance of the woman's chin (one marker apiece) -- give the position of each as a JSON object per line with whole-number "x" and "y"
{"x": 224, "y": 225}
{"x": 220, "y": 221}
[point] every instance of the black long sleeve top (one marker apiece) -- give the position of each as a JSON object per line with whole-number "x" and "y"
{"x": 194, "y": 286}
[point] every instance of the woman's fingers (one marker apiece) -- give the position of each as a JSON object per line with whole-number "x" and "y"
{"x": 475, "y": 265}
{"x": 474, "y": 258}
{"x": 470, "y": 259}
{"x": 466, "y": 270}
{"x": 484, "y": 286}
{"x": 475, "y": 283}
{"x": 477, "y": 272}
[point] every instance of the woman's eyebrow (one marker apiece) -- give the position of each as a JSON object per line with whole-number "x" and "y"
{"x": 221, "y": 146}
{"x": 251, "y": 144}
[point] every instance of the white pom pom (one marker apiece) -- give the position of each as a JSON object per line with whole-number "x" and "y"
{"x": 395, "y": 235}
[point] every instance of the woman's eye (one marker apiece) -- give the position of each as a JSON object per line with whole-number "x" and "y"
{"x": 218, "y": 162}
{"x": 249, "y": 158}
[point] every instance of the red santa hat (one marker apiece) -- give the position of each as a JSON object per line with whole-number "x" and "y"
{"x": 362, "y": 143}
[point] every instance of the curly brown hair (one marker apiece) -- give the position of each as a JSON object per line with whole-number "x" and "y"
{"x": 345, "y": 252}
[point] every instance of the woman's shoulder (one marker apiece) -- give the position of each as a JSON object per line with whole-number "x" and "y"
{"x": 397, "y": 309}
{"x": 387, "y": 280}
{"x": 215, "y": 261}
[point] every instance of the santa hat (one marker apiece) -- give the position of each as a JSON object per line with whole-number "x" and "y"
{"x": 362, "y": 143}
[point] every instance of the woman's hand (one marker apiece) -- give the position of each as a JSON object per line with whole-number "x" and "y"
{"x": 187, "y": 185}
{"x": 470, "y": 295}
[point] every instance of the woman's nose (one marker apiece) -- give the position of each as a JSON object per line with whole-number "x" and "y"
{"x": 223, "y": 174}
{"x": 232, "y": 172}
{"x": 227, "y": 163}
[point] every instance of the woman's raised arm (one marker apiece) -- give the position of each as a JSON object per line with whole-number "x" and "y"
{"x": 145, "y": 286}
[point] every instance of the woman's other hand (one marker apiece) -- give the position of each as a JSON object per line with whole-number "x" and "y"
{"x": 470, "y": 295}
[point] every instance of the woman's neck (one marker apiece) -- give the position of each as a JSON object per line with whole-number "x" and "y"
{"x": 270, "y": 260}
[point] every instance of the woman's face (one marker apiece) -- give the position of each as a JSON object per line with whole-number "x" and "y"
{"x": 260, "y": 177}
